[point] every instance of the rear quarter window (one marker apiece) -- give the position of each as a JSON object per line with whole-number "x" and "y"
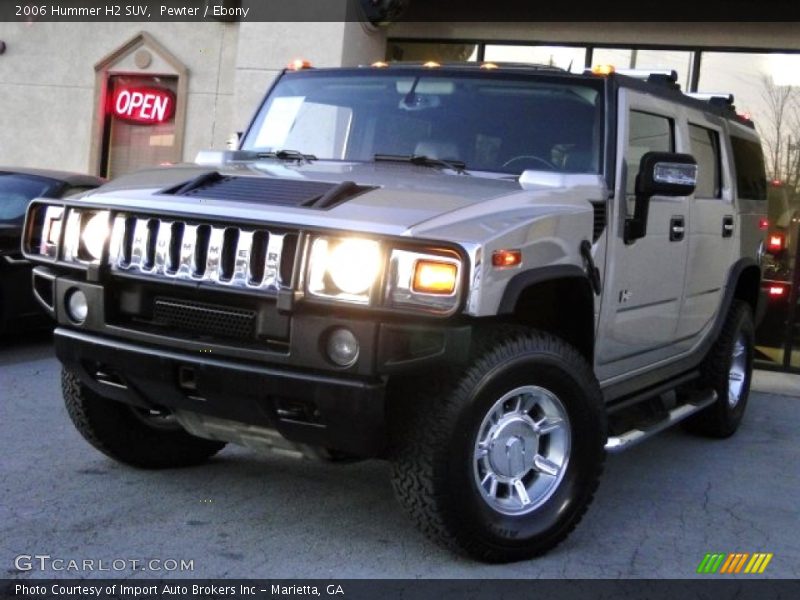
{"x": 751, "y": 176}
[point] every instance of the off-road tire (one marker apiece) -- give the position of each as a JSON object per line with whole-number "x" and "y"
{"x": 434, "y": 422}
{"x": 114, "y": 429}
{"x": 721, "y": 420}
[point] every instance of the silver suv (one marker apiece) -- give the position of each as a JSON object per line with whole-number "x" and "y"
{"x": 489, "y": 275}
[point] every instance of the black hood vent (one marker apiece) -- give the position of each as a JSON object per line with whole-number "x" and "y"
{"x": 268, "y": 190}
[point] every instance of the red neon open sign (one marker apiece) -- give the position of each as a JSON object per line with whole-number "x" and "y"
{"x": 143, "y": 104}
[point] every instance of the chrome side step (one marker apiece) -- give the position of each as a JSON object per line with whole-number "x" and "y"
{"x": 618, "y": 443}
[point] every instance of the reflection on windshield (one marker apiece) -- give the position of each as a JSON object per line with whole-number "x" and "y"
{"x": 495, "y": 124}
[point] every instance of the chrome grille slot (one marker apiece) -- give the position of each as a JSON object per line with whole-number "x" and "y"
{"x": 286, "y": 265}
{"x": 150, "y": 246}
{"x": 201, "y": 250}
{"x": 175, "y": 244}
{"x": 258, "y": 257}
{"x": 230, "y": 241}
{"x": 229, "y": 256}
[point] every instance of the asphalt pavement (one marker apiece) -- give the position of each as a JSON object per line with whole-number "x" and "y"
{"x": 660, "y": 507}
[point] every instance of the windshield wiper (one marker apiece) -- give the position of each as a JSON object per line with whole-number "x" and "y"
{"x": 421, "y": 159}
{"x": 287, "y": 155}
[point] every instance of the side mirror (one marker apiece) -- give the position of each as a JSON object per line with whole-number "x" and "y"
{"x": 660, "y": 174}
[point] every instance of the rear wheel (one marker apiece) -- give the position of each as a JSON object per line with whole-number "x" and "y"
{"x": 501, "y": 462}
{"x": 727, "y": 370}
{"x": 134, "y": 436}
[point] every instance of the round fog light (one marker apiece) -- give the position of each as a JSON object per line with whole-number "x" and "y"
{"x": 342, "y": 347}
{"x": 77, "y": 306}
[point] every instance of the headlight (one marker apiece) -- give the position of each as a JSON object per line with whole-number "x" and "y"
{"x": 349, "y": 269}
{"x": 85, "y": 235}
{"x": 344, "y": 269}
{"x": 94, "y": 234}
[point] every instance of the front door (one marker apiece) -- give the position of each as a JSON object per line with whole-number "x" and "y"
{"x": 644, "y": 279}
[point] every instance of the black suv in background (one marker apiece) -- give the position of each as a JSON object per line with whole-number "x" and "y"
{"x": 18, "y": 307}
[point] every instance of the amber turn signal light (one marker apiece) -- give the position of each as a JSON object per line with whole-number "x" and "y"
{"x": 433, "y": 277}
{"x": 506, "y": 258}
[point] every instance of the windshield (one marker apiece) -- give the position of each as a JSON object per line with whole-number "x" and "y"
{"x": 503, "y": 124}
{"x": 16, "y": 191}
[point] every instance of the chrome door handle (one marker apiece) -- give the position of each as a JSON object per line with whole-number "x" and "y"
{"x": 727, "y": 226}
{"x": 677, "y": 228}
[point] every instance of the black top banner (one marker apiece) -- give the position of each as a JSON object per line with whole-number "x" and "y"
{"x": 386, "y": 11}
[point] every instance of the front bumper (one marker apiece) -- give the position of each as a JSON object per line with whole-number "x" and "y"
{"x": 292, "y": 388}
{"x": 345, "y": 414}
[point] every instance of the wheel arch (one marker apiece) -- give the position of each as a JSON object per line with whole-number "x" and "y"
{"x": 556, "y": 299}
{"x": 746, "y": 282}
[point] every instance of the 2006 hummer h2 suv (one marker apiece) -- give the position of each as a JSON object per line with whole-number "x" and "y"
{"x": 489, "y": 275}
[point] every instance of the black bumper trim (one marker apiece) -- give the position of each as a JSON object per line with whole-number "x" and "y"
{"x": 344, "y": 413}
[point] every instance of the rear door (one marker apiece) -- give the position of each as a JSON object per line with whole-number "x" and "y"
{"x": 711, "y": 231}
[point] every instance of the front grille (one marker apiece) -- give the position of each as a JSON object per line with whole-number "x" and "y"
{"x": 250, "y": 258}
{"x": 204, "y": 320}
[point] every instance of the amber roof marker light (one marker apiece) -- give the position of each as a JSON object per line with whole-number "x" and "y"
{"x": 603, "y": 70}
{"x": 298, "y": 64}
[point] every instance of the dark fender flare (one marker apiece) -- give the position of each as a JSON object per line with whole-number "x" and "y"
{"x": 570, "y": 315}
{"x": 522, "y": 281}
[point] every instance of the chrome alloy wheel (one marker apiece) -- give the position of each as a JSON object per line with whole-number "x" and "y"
{"x": 738, "y": 371}
{"x": 522, "y": 450}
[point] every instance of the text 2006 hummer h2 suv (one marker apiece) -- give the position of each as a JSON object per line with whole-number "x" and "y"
{"x": 490, "y": 275}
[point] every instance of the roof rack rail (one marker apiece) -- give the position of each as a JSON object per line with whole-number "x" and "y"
{"x": 723, "y": 99}
{"x": 466, "y": 65}
{"x": 667, "y": 77}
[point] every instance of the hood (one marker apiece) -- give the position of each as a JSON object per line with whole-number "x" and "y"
{"x": 389, "y": 198}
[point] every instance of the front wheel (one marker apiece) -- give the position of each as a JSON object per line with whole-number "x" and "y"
{"x": 502, "y": 461}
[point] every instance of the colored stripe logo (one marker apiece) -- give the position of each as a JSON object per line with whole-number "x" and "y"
{"x": 734, "y": 562}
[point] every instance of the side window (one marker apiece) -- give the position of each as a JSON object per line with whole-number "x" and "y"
{"x": 751, "y": 177}
{"x": 646, "y": 133}
{"x": 705, "y": 149}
